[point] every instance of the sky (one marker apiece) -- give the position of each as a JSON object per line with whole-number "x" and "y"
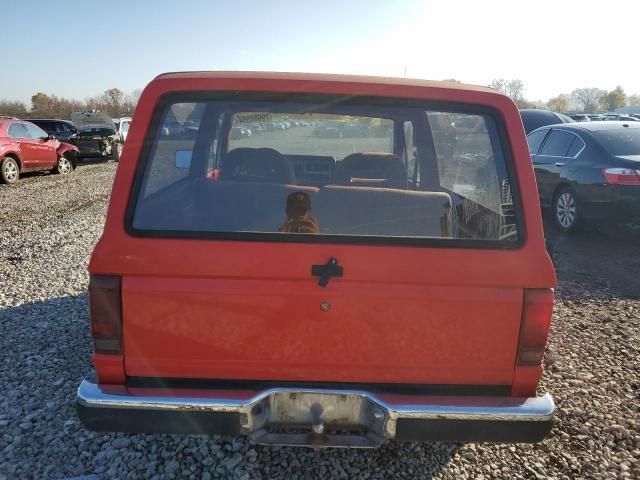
{"x": 79, "y": 48}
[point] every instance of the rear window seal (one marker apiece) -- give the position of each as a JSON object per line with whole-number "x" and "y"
{"x": 279, "y": 237}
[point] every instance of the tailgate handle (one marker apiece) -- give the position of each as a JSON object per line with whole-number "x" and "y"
{"x": 325, "y": 272}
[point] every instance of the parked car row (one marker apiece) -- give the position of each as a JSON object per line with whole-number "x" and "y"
{"x": 25, "y": 147}
{"x": 57, "y": 145}
{"x": 240, "y": 129}
{"x": 533, "y": 118}
{"x": 598, "y": 117}
{"x": 256, "y": 128}
{"x": 614, "y": 117}
{"x": 245, "y": 129}
{"x": 587, "y": 166}
{"x": 343, "y": 129}
{"x": 94, "y": 133}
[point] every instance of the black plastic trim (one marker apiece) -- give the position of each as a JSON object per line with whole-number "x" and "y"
{"x": 414, "y": 430}
{"x": 258, "y": 385}
{"x": 158, "y": 421}
{"x": 207, "y": 423}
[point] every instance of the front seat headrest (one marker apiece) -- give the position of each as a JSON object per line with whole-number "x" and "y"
{"x": 372, "y": 170}
{"x": 261, "y": 165}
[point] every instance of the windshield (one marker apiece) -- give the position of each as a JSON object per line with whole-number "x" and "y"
{"x": 623, "y": 141}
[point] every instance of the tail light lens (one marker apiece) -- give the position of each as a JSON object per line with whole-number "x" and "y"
{"x": 534, "y": 329}
{"x": 105, "y": 303}
{"x": 622, "y": 176}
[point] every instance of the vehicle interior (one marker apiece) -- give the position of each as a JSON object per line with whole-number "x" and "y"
{"x": 402, "y": 178}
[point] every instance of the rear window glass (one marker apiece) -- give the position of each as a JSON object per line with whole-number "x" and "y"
{"x": 623, "y": 141}
{"x": 576, "y": 147}
{"x": 331, "y": 171}
{"x": 535, "y": 140}
{"x": 174, "y": 140}
{"x": 322, "y": 134}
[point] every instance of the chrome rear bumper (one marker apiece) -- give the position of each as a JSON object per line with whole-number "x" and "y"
{"x": 315, "y": 417}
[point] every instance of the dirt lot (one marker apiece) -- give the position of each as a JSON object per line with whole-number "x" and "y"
{"x": 48, "y": 226}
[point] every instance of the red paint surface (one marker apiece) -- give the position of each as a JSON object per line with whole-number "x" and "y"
{"x": 275, "y": 329}
{"x": 231, "y": 309}
{"x": 110, "y": 368}
{"x": 525, "y": 380}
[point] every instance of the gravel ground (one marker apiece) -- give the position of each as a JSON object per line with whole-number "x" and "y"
{"x": 48, "y": 226}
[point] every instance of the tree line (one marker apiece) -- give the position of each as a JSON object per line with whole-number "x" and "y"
{"x": 113, "y": 102}
{"x": 116, "y": 103}
{"x": 580, "y": 100}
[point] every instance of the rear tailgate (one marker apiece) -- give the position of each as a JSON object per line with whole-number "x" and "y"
{"x": 425, "y": 320}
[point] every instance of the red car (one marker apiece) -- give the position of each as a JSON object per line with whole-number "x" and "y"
{"x": 319, "y": 291}
{"x": 25, "y": 147}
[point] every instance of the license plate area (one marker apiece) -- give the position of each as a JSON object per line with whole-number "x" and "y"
{"x": 317, "y": 419}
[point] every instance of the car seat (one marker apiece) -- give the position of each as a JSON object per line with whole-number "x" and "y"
{"x": 372, "y": 170}
{"x": 259, "y": 165}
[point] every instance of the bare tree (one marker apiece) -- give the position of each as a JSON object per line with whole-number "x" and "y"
{"x": 114, "y": 98}
{"x": 512, "y": 88}
{"x": 633, "y": 100}
{"x": 515, "y": 89}
{"x": 559, "y": 103}
{"x": 131, "y": 101}
{"x": 13, "y": 109}
{"x": 614, "y": 99}
{"x": 42, "y": 105}
{"x": 499, "y": 84}
{"x": 588, "y": 98}
{"x": 113, "y": 102}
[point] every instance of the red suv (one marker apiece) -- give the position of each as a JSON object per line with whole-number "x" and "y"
{"x": 25, "y": 147}
{"x": 316, "y": 290}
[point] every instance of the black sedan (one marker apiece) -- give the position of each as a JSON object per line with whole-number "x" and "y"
{"x": 533, "y": 118}
{"x": 588, "y": 171}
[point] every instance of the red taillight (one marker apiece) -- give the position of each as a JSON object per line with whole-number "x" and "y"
{"x": 536, "y": 320}
{"x": 106, "y": 313}
{"x": 622, "y": 176}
